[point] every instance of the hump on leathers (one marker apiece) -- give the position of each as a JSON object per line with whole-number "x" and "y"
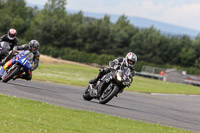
{"x": 5, "y": 45}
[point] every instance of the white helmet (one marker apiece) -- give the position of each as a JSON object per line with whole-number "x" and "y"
{"x": 130, "y": 60}
{"x": 12, "y": 34}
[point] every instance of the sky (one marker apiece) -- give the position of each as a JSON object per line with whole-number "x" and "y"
{"x": 184, "y": 13}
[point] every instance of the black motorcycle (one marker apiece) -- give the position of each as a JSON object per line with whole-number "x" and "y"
{"x": 4, "y": 50}
{"x": 109, "y": 85}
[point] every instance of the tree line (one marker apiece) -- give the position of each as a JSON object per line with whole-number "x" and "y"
{"x": 84, "y": 39}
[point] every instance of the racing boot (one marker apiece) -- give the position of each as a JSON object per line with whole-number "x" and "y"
{"x": 16, "y": 77}
{"x": 93, "y": 81}
{"x": 19, "y": 75}
{"x": 100, "y": 75}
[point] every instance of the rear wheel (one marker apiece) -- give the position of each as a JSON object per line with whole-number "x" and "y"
{"x": 86, "y": 94}
{"x": 108, "y": 94}
{"x": 7, "y": 76}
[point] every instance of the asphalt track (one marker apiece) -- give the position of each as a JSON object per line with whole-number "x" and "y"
{"x": 172, "y": 110}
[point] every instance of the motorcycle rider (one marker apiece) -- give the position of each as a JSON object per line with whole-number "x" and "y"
{"x": 129, "y": 61}
{"x": 11, "y": 39}
{"x": 33, "y": 47}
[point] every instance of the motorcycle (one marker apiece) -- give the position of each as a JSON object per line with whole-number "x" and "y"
{"x": 19, "y": 64}
{"x": 109, "y": 85}
{"x": 4, "y": 50}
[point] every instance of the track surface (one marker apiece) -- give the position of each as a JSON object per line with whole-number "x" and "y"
{"x": 172, "y": 110}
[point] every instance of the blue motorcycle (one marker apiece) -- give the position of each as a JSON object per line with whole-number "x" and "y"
{"x": 19, "y": 64}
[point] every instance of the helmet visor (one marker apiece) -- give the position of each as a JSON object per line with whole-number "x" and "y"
{"x": 131, "y": 62}
{"x": 11, "y": 35}
{"x": 34, "y": 49}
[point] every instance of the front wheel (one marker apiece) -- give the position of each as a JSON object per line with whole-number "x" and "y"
{"x": 86, "y": 94}
{"x": 7, "y": 76}
{"x": 108, "y": 94}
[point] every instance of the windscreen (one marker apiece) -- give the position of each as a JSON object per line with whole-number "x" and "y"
{"x": 126, "y": 71}
{"x": 29, "y": 55}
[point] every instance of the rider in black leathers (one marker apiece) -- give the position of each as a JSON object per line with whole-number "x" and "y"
{"x": 12, "y": 40}
{"x": 33, "y": 47}
{"x": 129, "y": 61}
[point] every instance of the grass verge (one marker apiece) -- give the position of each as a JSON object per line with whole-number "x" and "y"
{"x": 80, "y": 75}
{"x": 19, "y": 115}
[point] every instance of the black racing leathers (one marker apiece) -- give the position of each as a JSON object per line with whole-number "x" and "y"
{"x": 117, "y": 63}
{"x": 4, "y": 53}
{"x": 120, "y": 61}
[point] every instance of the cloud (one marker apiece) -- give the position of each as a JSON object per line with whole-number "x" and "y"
{"x": 186, "y": 15}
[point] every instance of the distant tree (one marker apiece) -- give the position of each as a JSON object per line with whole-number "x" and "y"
{"x": 73, "y": 31}
{"x": 196, "y": 44}
{"x": 13, "y": 15}
{"x": 122, "y": 32}
{"x": 96, "y": 35}
{"x": 147, "y": 43}
{"x": 187, "y": 54}
{"x": 48, "y": 25}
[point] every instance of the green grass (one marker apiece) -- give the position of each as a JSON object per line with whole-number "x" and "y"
{"x": 147, "y": 85}
{"x": 80, "y": 75}
{"x": 65, "y": 73}
{"x": 26, "y": 116}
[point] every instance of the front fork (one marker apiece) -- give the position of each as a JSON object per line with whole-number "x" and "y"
{"x": 92, "y": 90}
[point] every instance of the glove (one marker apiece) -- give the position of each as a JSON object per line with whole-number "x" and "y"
{"x": 14, "y": 52}
{"x": 133, "y": 74}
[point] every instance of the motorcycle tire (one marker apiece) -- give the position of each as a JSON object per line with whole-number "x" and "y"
{"x": 10, "y": 75}
{"x": 86, "y": 94}
{"x": 109, "y": 96}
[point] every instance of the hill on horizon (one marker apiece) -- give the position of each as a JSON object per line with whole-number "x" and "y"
{"x": 165, "y": 28}
{"x": 140, "y": 22}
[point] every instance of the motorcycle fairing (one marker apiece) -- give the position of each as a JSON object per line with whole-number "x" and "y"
{"x": 21, "y": 59}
